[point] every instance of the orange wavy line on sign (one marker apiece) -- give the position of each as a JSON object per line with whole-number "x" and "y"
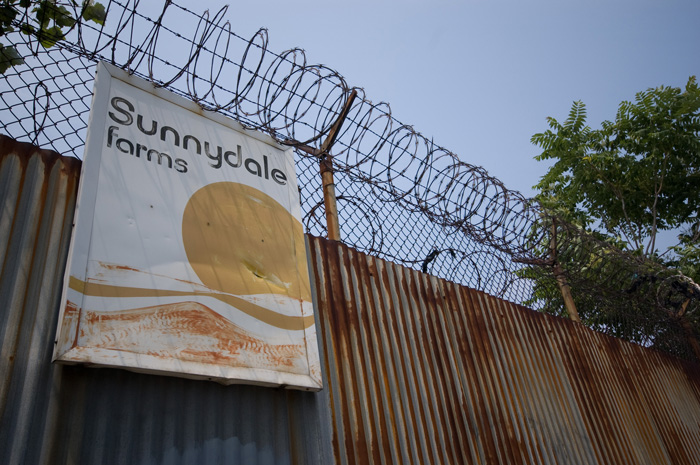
{"x": 272, "y": 318}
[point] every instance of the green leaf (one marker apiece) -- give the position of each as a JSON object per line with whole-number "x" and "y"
{"x": 9, "y": 57}
{"x": 7, "y": 14}
{"x": 95, "y": 13}
{"x": 27, "y": 29}
{"x": 50, "y": 36}
{"x": 42, "y": 13}
{"x": 63, "y": 17}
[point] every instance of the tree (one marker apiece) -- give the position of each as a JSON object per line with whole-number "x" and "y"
{"x": 622, "y": 184}
{"x": 47, "y": 20}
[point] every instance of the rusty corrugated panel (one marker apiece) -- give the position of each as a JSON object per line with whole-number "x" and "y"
{"x": 54, "y": 414}
{"x": 425, "y": 371}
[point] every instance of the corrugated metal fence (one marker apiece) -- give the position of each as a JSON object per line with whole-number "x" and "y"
{"x": 417, "y": 370}
{"x": 426, "y": 371}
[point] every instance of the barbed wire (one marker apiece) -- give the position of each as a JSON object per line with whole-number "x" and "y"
{"x": 401, "y": 196}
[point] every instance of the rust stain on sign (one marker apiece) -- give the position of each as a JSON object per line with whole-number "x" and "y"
{"x": 199, "y": 333}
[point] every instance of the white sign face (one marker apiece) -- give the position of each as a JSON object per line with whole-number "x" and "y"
{"x": 188, "y": 255}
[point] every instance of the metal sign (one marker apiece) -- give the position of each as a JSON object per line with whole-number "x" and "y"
{"x": 188, "y": 254}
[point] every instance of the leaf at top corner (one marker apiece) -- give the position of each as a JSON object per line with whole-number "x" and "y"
{"x": 63, "y": 17}
{"x": 95, "y": 13}
{"x": 7, "y": 14}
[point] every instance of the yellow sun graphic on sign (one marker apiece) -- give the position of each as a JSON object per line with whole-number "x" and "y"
{"x": 241, "y": 241}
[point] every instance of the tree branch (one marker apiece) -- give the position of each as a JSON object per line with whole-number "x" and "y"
{"x": 651, "y": 246}
{"x": 620, "y": 197}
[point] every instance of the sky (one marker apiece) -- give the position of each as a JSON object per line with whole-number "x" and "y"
{"x": 480, "y": 77}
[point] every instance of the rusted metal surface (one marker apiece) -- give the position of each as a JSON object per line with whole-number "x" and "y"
{"x": 54, "y": 414}
{"x": 329, "y": 198}
{"x": 426, "y": 371}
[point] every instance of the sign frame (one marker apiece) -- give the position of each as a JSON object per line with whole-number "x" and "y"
{"x": 68, "y": 349}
